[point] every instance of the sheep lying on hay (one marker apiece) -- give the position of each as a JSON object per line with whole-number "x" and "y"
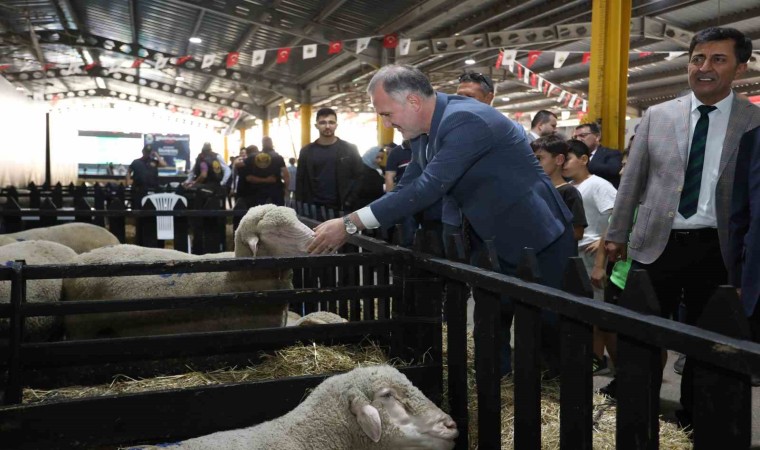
{"x": 265, "y": 230}
{"x": 80, "y": 237}
{"x": 366, "y": 408}
{"x": 37, "y": 291}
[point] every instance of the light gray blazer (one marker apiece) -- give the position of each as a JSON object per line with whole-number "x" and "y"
{"x": 654, "y": 176}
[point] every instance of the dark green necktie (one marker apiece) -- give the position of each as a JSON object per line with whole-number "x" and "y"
{"x": 693, "y": 179}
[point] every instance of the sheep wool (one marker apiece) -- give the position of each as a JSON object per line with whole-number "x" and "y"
{"x": 265, "y": 230}
{"x": 319, "y": 318}
{"x": 374, "y": 408}
{"x": 80, "y": 237}
{"x": 37, "y": 291}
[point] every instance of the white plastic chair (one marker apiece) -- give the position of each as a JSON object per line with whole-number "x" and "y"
{"x": 164, "y": 201}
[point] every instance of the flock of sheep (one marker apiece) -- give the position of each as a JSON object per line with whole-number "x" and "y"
{"x": 373, "y": 407}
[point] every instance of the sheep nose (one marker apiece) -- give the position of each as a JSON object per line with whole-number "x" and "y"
{"x": 448, "y": 422}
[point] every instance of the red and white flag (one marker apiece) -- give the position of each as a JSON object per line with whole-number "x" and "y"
{"x": 645, "y": 54}
{"x": 335, "y": 47}
{"x": 532, "y": 57}
{"x": 136, "y": 63}
{"x": 232, "y": 59}
{"x": 499, "y": 59}
{"x": 390, "y": 41}
{"x": 586, "y": 57}
{"x": 283, "y": 55}
{"x": 183, "y": 59}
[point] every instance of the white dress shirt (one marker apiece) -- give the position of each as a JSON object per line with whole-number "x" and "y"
{"x": 705, "y": 216}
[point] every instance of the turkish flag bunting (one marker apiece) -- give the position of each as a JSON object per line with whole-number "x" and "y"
{"x": 498, "y": 60}
{"x": 232, "y": 59}
{"x": 547, "y": 85}
{"x": 390, "y": 41}
{"x": 335, "y": 47}
{"x": 136, "y": 63}
{"x": 532, "y": 57}
{"x": 196, "y": 112}
{"x": 586, "y": 57}
{"x": 48, "y": 66}
{"x": 533, "y": 79}
{"x": 577, "y": 102}
{"x": 519, "y": 72}
{"x": 91, "y": 66}
{"x": 282, "y": 55}
{"x": 645, "y": 54}
{"x": 183, "y": 59}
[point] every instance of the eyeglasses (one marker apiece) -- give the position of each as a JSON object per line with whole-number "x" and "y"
{"x": 581, "y": 135}
{"x": 477, "y": 77}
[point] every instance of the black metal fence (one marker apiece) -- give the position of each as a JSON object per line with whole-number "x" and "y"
{"x": 397, "y": 297}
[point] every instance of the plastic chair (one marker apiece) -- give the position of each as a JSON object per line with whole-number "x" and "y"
{"x": 164, "y": 201}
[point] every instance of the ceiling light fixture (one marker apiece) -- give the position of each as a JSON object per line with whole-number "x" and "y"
{"x": 469, "y": 61}
{"x": 195, "y": 40}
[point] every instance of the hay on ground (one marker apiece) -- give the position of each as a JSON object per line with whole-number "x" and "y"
{"x": 297, "y": 360}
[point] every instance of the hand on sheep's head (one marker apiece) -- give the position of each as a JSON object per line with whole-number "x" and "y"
{"x": 331, "y": 235}
{"x": 269, "y": 230}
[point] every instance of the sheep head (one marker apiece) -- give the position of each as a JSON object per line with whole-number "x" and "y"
{"x": 388, "y": 407}
{"x": 269, "y": 230}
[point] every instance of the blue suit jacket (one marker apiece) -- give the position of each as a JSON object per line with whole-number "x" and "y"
{"x": 744, "y": 225}
{"x": 607, "y": 163}
{"x": 481, "y": 160}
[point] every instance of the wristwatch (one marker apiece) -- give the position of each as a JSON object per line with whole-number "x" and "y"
{"x": 351, "y": 227}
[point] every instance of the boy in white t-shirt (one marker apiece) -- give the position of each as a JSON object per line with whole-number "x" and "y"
{"x": 598, "y": 199}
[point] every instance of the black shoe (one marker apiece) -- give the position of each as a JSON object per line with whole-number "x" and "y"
{"x": 610, "y": 391}
{"x": 678, "y": 365}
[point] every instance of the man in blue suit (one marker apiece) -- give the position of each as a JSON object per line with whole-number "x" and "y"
{"x": 471, "y": 153}
{"x": 744, "y": 228}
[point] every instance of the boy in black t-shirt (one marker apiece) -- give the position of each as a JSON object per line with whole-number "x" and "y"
{"x": 551, "y": 151}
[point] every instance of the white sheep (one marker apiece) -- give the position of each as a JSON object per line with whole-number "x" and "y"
{"x": 265, "y": 230}
{"x": 319, "y": 318}
{"x": 4, "y": 240}
{"x": 81, "y": 237}
{"x": 374, "y": 408}
{"x": 37, "y": 291}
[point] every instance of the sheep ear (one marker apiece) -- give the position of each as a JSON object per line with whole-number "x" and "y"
{"x": 253, "y": 244}
{"x": 368, "y": 418}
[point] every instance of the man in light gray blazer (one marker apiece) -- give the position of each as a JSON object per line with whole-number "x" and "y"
{"x": 680, "y": 175}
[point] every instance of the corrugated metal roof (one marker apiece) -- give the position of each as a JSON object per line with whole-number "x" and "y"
{"x": 224, "y": 26}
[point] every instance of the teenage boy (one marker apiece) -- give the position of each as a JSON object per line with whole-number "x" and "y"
{"x": 598, "y": 199}
{"x": 551, "y": 151}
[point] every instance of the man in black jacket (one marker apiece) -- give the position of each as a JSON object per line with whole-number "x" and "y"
{"x": 328, "y": 168}
{"x": 604, "y": 162}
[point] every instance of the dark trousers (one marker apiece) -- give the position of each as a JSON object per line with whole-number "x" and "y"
{"x": 689, "y": 270}
{"x": 551, "y": 263}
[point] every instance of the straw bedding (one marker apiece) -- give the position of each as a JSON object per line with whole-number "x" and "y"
{"x": 313, "y": 359}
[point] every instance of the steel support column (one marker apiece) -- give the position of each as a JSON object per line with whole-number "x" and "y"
{"x": 305, "y": 125}
{"x": 608, "y": 77}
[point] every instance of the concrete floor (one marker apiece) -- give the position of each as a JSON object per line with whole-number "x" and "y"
{"x": 670, "y": 392}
